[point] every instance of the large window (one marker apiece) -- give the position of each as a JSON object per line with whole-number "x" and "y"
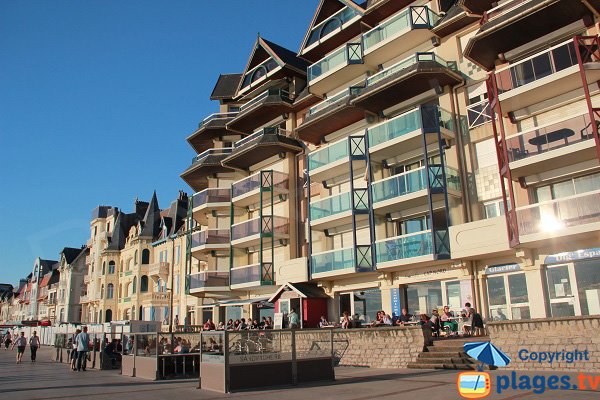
{"x": 110, "y": 289}
{"x": 574, "y": 289}
{"x": 145, "y": 256}
{"x": 362, "y": 305}
{"x": 144, "y": 284}
{"x": 111, "y": 267}
{"x": 583, "y": 184}
{"x": 507, "y": 297}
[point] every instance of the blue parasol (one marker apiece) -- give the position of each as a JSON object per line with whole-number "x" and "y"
{"x": 486, "y": 353}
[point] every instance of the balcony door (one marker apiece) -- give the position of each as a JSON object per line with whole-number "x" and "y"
{"x": 562, "y": 291}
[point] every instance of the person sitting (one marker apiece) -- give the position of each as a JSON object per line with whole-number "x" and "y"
{"x": 221, "y": 326}
{"x": 474, "y": 321}
{"x": 229, "y": 326}
{"x": 448, "y": 322}
{"x": 345, "y": 320}
{"x": 378, "y": 319}
{"x": 236, "y": 325}
{"x": 323, "y": 323}
{"x": 111, "y": 352}
{"x": 386, "y": 319}
{"x": 208, "y": 325}
{"x": 435, "y": 322}
{"x": 269, "y": 324}
{"x": 254, "y": 324}
{"x": 404, "y": 317}
{"x": 243, "y": 325}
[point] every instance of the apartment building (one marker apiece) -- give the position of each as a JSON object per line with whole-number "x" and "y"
{"x": 70, "y": 287}
{"x": 411, "y": 154}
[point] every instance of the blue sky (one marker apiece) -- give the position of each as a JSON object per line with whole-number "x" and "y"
{"x": 97, "y": 98}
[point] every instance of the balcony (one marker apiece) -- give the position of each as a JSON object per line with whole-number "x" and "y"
{"x": 568, "y": 216}
{"x": 209, "y": 200}
{"x": 336, "y": 211}
{"x": 211, "y": 127}
{"x": 260, "y": 188}
{"x": 404, "y": 133}
{"x": 332, "y": 32}
{"x": 125, "y": 300}
{"x": 411, "y": 189}
{"x": 158, "y": 271}
{"x": 160, "y": 298}
{"x": 398, "y": 34}
{"x": 268, "y": 105}
{"x": 547, "y": 147}
{"x": 411, "y": 249}
{"x": 456, "y": 18}
{"x": 208, "y": 282}
{"x": 250, "y": 233}
{"x": 252, "y": 276}
{"x": 330, "y": 115}
{"x": 205, "y": 164}
{"x": 337, "y": 158}
{"x": 406, "y": 79}
{"x": 519, "y": 22}
{"x": 543, "y": 76}
{"x": 337, "y": 68}
{"x": 382, "y": 9}
{"x": 209, "y": 240}
{"x": 260, "y": 146}
{"x": 335, "y": 263}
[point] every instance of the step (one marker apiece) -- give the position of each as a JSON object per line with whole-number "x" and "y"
{"x": 467, "y": 367}
{"x": 442, "y": 354}
{"x": 444, "y": 360}
{"x": 444, "y": 349}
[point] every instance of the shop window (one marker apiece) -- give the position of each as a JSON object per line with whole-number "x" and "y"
{"x": 508, "y": 297}
{"x": 361, "y": 305}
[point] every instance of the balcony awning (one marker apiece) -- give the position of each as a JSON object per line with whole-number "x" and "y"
{"x": 256, "y": 300}
{"x": 261, "y": 148}
{"x": 380, "y": 10}
{"x": 196, "y": 175}
{"x": 455, "y": 19}
{"x": 202, "y": 138}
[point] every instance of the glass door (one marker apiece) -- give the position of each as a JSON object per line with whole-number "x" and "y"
{"x": 451, "y": 290}
{"x": 562, "y": 290}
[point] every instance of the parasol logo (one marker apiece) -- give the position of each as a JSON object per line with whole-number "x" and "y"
{"x": 474, "y": 385}
{"x": 477, "y": 384}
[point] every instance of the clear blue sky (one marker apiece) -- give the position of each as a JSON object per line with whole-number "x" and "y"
{"x": 97, "y": 98}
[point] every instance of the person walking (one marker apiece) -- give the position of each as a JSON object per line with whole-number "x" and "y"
{"x": 73, "y": 355}
{"x": 82, "y": 340}
{"x": 34, "y": 344}
{"x": 293, "y": 319}
{"x": 7, "y": 340}
{"x": 21, "y": 343}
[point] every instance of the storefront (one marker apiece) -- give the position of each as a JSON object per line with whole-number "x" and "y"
{"x": 573, "y": 283}
{"x": 361, "y": 305}
{"x": 507, "y": 294}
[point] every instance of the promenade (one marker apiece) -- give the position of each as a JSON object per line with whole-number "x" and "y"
{"x": 48, "y": 380}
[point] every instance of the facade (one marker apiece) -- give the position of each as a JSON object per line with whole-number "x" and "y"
{"x": 70, "y": 286}
{"x": 410, "y": 155}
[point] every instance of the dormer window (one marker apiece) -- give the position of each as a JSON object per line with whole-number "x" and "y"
{"x": 259, "y": 72}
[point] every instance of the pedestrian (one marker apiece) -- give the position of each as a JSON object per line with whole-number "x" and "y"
{"x": 34, "y": 344}
{"x": 73, "y": 358}
{"x": 82, "y": 340}
{"x": 7, "y": 340}
{"x": 176, "y": 323}
{"x": 293, "y": 320}
{"x": 21, "y": 343}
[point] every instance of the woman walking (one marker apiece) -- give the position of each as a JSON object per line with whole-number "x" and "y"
{"x": 21, "y": 343}
{"x": 34, "y": 344}
{"x": 7, "y": 340}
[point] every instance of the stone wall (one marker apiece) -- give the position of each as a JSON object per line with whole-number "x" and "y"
{"x": 552, "y": 335}
{"x": 369, "y": 347}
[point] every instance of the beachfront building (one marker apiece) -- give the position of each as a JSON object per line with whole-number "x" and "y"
{"x": 70, "y": 287}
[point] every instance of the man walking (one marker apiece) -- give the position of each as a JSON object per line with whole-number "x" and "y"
{"x": 20, "y": 342}
{"x": 34, "y": 344}
{"x": 293, "y": 319}
{"x": 82, "y": 340}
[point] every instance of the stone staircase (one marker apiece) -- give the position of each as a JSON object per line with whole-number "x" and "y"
{"x": 447, "y": 354}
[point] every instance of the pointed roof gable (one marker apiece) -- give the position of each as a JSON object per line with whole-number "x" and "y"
{"x": 326, "y": 9}
{"x": 117, "y": 240}
{"x": 70, "y": 254}
{"x": 226, "y": 86}
{"x": 151, "y": 221}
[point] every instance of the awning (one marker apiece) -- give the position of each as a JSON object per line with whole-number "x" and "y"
{"x": 304, "y": 290}
{"x": 256, "y": 300}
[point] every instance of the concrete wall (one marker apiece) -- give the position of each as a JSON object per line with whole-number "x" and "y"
{"x": 549, "y": 335}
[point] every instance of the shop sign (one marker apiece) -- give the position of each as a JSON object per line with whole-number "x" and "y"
{"x": 502, "y": 269}
{"x": 572, "y": 256}
{"x": 395, "y": 295}
{"x": 259, "y": 358}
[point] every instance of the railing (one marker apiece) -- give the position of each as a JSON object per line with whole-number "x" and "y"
{"x": 411, "y": 18}
{"x": 125, "y": 300}
{"x": 327, "y": 155}
{"x": 479, "y": 113}
{"x": 408, "y": 62}
{"x": 413, "y": 181}
{"x": 264, "y": 95}
{"x": 211, "y": 195}
{"x": 212, "y": 152}
{"x": 333, "y": 99}
{"x": 160, "y": 268}
{"x": 502, "y": 9}
{"x": 260, "y": 225}
{"x": 403, "y": 247}
{"x": 161, "y": 296}
{"x": 210, "y": 236}
{"x": 333, "y": 260}
{"x": 536, "y": 67}
{"x": 549, "y": 137}
{"x": 318, "y": 35}
{"x": 555, "y": 215}
{"x": 245, "y": 274}
{"x": 330, "y": 206}
{"x": 254, "y": 75}
{"x": 268, "y": 179}
{"x": 217, "y": 116}
{"x": 208, "y": 279}
{"x": 351, "y": 53}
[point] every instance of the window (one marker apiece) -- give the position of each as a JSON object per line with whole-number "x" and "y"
{"x": 135, "y": 258}
{"x": 103, "y": 267}
{"x": 102, "y": 291}
{"x": 177, "y": 254}
{"x": 493, "y": 208}
{"x": 413, "y": 225}
{"x": 582, "y": 184}
{"x": 134, "y": 285}
{"x": 362, "y": 304}
{"x": 145, "y": 256}
{"x": 330, "y": 26}
{"x": 111, "y": 267}
{"x": 508, "y": 297}
{"x": 177, "y": 286}
{"x": 108, "y": 227}
{"x": 144, "y": 284}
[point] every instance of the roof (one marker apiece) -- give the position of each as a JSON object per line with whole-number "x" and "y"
{"x": 304, "y": 290}
{"x": 287, "y": 56}
{"x": 71, "y": 253}
{"x": 226, "y": 86}
{"x": 46, "y": 265}
{"x": 45, "y": 280}
{"x": 151, "y": 221}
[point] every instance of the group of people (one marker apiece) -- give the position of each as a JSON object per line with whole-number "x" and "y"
{"x": 80, "y": 345}
{"x": 239, "y": 325}
{"x": 20, "y": 342}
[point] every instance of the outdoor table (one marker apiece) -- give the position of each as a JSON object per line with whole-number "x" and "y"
{"x": 550, "y": 137}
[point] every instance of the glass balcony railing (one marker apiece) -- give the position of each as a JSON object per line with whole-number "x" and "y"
{"x": 536, "y": 67}
{"x": 413, "y": 181}
{"x": 211, "y": 152}
{"x": 331, "y": 100}
{"x": 410, "y": 18}
{"x": 216, "y": 117}
{"x": 211, "y": 195}
{"x": 268, "y": 179}
{"x": 262, "y": 96}
{"x": 404, "y": 247}
{"x": 261, "y": 225}
{"x": 328, "y": 155}
{"x": 323, "y": 31}
{"x": 210, "y": 236}
{"x": 405, "y": 123}
{"x": 245, "y": 274}
{"x": 555, "y": 215}
{"x": 330, "y": 206}
{"x": 502, "y": 9}
{"x": 208, "y": 279}
{"x": 410, "y": 61}
{"x": 550, "y": 137}
{"x": 351, "y": 53}
{"x": 334, "y": 260}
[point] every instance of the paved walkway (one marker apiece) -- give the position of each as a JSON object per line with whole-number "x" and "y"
{"x": 48, "y": 380}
